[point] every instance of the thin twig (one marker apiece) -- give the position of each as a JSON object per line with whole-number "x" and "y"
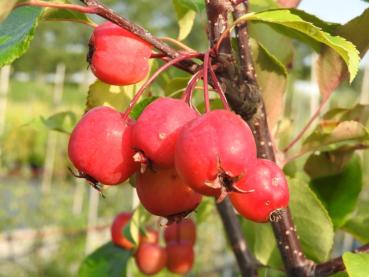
{"x": 306, "y": 127}
{"x": 178, "y": 43}
{"x": 336, "y": 265}
{"x": 45, "y": 4}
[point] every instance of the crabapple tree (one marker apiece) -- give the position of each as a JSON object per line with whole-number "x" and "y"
{"x": 223, "y": 132}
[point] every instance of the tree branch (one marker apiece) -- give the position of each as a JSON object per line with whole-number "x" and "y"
{"x": 217, "y": 12}
{"x": 335, "y": 265}
{"x": 284, "y": 230}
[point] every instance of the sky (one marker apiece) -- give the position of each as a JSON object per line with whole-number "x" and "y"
{"x": 339, "y": 11}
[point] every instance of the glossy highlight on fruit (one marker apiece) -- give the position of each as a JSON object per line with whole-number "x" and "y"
{"x": 156, "y": 130}
{"x": 100, "y": 146}
{"x": 150, "y": 258}
{"x": 214, "y": 151}
{"x": 163, "y": 193}
{"x": 116, "y": 230}
{"x": 117, "y": 56}
{"x": 268, "y": 191}
{"x": 180, "y": 257}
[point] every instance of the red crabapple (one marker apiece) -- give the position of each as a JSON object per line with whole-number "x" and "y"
{"x": 185, "y": 230}
{"x": 156, "y": 130}
{"x": 163, "y": 193}
{"x": 150, "y": 258}
{"x": 100, "y": 146}
{"x": 267, "y": 191}
{"x": 117, "y": 56}
{"x": 180, "y": 257}
{"x": 214, "y": 151}
{"x": 116, "y": 230}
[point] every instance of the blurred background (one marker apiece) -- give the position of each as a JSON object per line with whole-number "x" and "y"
{"x": 49, "y": 220}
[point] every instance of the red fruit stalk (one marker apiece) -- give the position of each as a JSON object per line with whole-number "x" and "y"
{"x": 268, "y": 192}
{"x": 156, "y": 130}
{"x": 214, "y": 151}
{"x": 100, "y": 146}
{"x": 164, "y": 194}
{"x": 118, "y": 57}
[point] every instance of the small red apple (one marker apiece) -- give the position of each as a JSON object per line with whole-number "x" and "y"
{"x": 150, "y": 258}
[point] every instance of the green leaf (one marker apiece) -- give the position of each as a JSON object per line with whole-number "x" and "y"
{"x": 313, "y": 223}
{"x": 132, "y": 228}
{"x": 331, "y": 70}
{"x": 340, "y": 193}
{"x": 205, "y": 209}
{"x": 330, "y": 136}
{"x": 102, "y": 94}
{"x": 62, "y": 122}
{"x": 272, "y": 79}
{"x": 322, "y": 164}
{"x": 260, "y": 240}
{"x": 53, "y": 14}
{"x": 357, "y": 265}
{"x": 16, "y": 33}
{"x": 185, "y": 19}
{"x": 195, "y": 5}
{"x": 176, "y": 86}
{"x": 294, "y": 23}
{"x": 140, "y": 106}
{"x": 358, "y": 113}
{"x": 358, "y": 224}
{"x": 108, "y": 260}
{"x": 277, "y": 44}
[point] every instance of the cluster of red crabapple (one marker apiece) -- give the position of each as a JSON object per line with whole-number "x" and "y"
{"x": 177, "y": 256}
{"x": 177, "y": 154}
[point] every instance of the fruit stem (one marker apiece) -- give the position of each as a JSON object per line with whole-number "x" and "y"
{"x": 187, "y": 95}
{"x": 206, "y": 82}
{"x": 153, "y": 77}
{"x": 218, "y": 87}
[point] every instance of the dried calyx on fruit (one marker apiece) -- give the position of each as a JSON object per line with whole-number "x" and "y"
{"x": 156, "y": 130}
{"x": 268, "y": 192}
{"x": 214, "y": 151}
{"x": 117, "y": 56}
